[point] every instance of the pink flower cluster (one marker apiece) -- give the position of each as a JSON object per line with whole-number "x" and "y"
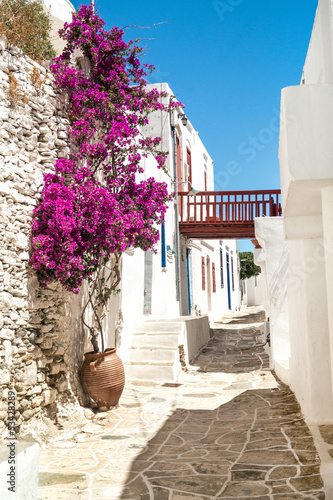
{"x": 94, "y": 204}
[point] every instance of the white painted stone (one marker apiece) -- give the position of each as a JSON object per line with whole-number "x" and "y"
{"x": 269, "y": 232}
{"x": 5, "y": 376}
{"x": 4, "y": 189}
{"x": 49, "y": 396}
{"x": 6, "y": 334}
{"x": 26, "y": 468}
{"x": 6, "y": 300}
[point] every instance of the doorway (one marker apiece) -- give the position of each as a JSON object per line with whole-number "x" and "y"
{"x": 228, "y": 280}
{"x": 188, "y": 277}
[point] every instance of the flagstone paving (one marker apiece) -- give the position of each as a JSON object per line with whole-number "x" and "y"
{"x": 229, "y": 430}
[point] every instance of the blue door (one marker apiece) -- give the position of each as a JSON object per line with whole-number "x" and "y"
{"x": 188, "y": 280}
{"x": 228, "y": 282}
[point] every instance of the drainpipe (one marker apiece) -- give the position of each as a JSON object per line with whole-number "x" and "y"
{"x": 177, "y": 243}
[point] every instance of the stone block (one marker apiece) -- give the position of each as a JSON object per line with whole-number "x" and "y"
{"x": 21, "y": 241}
{"x": 4, "y": 377}
{"x": 30, "y": 375}
{"x": 47, "y": 328}
{"x": 41, "y": 363}
{"x": 37, "y": 401}
{"x": 54, "y": 369}
{"x": 49, "y": 396}
{"x": 6, "y": 334}
{"x": 62, "y": 385}
{"x": 28, "y": 414}
{"x": 6, "y": 301}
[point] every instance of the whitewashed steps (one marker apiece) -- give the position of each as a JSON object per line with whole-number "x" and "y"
{"x": 154, "y": 355}
{"x": 158, "y": 326}
{"x": 155, "y": 340}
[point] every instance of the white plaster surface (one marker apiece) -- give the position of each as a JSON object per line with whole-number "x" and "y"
{"x": 60, "y": 9}
{"x": 306, "y": 150}
{"x": 327, "y": 201}
{"x": 26, "y": 471}
{"x": 275, "y": 254}
{"x": 197, "y": 334}
{"x": 309, "y": 333}
{"x": 318, "y": 65}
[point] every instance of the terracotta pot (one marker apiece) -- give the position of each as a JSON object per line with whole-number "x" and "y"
{"x": 103, "y": 377}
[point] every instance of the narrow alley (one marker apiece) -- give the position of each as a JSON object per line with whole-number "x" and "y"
{"x": 227, "y": 430}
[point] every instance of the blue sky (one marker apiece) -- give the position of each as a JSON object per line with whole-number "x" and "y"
{"x": 227, "y": 61}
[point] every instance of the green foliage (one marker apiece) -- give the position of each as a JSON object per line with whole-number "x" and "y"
{"x": 27, "y": 26}
{"x": 247, "y": 265}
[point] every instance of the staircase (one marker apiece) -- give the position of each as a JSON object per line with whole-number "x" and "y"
{"x": 154, "y": 355}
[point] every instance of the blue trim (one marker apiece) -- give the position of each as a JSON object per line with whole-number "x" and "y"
{"x": 163, "y": 245}
{"x": 188, "y": 281}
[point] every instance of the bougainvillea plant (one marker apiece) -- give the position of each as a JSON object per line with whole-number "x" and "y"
{"x": 95, "y": 206}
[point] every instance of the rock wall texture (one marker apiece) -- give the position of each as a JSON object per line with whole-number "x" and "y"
{"x": 39, "y": 358}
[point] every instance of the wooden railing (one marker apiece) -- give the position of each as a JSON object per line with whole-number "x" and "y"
{"x": 228, "y": 208}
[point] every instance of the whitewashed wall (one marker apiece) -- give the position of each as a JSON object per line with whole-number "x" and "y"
{"x": 60, "y": 11}
{"x": 303, "y": 329}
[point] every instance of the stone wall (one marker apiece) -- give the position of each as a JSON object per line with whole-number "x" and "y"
{"x": 38, "y": 356}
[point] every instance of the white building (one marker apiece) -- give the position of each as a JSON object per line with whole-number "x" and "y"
{"x": 186, "y": 281}
{"x": 159, "y": 322}
{"x": 253, "y": 291}
{"x": 296, "y": 254}
{"x": 60, "y": 11}
{"x": 306, "y": 158}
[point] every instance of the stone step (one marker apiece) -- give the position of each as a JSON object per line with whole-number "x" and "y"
{"x": 147, "y": 354}
{"x": 155, "y": 340}
{"x": 155, "y": 372}
{"x": 166, "y": 327}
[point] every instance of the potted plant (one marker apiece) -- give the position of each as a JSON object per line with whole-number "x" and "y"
{"x": 95, "y": 206}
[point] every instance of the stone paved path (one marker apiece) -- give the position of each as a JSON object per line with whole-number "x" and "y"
{"x": 230, "y": 430}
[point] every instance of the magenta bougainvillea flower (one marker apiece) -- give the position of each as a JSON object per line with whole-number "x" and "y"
{"x": 95, "y": 203}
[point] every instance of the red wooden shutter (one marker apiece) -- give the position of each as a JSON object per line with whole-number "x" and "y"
{"x": 189, "y": 163}
{"x": 203, "y": 273}
{"x": 214, "y": 279}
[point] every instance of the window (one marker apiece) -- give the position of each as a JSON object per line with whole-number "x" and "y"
{"x": 203, "y": 273}
{"x": 214, "y": 277}
{"x": 232, "y": 274}
{"x": 221, "y": 268}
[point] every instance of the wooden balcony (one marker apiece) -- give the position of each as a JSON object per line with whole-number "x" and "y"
{"x": 226, "y": 214}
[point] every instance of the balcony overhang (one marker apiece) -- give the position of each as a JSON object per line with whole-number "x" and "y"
{"x": 225, "y": 214}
